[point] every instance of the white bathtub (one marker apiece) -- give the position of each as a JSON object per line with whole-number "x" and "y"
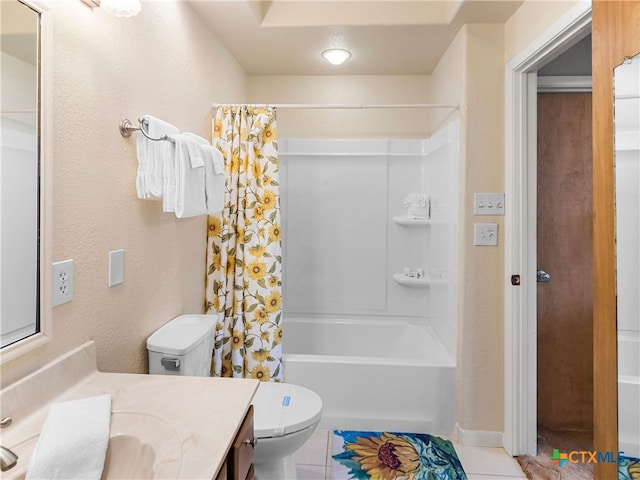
{"x": 372, "y": 374}
{"x": 629, "y": 393}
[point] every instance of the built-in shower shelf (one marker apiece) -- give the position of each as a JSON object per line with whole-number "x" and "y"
{"x": 403, "y": 279}
{"x": 409, "y": 222}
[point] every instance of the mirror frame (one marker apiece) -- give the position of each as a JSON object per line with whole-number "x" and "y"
{"x": 45, "y": 334}
{"x": 617, "y": 135}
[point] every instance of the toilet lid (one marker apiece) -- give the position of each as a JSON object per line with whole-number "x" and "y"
{"x": 182, "y": 334}
{"x": 282, "y": 408}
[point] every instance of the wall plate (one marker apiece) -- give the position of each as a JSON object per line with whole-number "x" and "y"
{"x": 485, "y": 234}
{"x": 488, "y": 204}
{"x": 116, "y": 267}
{"x": 62, "y": 273}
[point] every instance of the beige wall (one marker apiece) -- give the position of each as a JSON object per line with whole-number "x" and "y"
{"x": 165, "y": 63}
{"x": 471, "y": 74}
{"x": 354, "y": 89}
{"x": 530, "y": 20}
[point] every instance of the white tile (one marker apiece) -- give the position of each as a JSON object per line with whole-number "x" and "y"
{"x": 310, "y": 472}
{"x": 330, "y": 451}
{"x": 314, "y": 452}
{"x": 488, "y": 461}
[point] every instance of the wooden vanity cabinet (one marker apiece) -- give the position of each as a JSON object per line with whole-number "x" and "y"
{"x": 239, "y": 462}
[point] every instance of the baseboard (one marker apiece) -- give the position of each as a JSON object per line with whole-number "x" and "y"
{"x": 478, "y": 438}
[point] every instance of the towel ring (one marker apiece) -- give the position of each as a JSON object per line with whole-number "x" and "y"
{"x": 127, "y": 128}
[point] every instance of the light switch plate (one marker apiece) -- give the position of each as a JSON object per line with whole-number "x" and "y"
{"x": 485, "y": 234}
{"x": 116, "y": 267}
{"x": 488, "y": 204}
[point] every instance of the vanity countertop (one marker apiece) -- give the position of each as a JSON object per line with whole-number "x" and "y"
{"x": 190, "y": 421}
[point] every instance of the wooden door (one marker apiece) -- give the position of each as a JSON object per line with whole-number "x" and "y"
{"x": 564, "y": 251}
{"x": 615, "y": 35}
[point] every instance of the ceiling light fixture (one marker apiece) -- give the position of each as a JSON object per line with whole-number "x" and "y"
{"x": 336, "y": 56}
{"x": 117, "y": 8}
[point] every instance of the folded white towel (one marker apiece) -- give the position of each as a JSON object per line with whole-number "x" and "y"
{"x": 214, "y": 173}
{"x": 153, "y": 157}
{"x": 190, "y": 197}
{"x": 73, "y": 441}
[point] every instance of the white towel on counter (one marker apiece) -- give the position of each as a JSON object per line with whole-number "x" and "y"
{"x": 73, "y": 441}
{"x": 213, "y": 162}
{"x": 153, "y": 157}
{"x": 190, "y": 196}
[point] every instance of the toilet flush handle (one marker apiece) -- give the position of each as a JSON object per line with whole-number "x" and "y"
{"x": 170, "y": 363}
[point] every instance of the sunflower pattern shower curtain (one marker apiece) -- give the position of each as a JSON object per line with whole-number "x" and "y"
{"x": 244, "y": 250}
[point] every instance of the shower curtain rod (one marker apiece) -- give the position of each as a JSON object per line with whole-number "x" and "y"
{"x": 338, "y": 106}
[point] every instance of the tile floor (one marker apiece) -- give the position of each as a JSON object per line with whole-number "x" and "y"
{"x": 313, "y": 461}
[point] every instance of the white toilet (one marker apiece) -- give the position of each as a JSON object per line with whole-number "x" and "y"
{"x": 285, "y": 415}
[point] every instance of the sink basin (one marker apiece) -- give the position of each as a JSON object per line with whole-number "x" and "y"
{"x": 141, "y": 446}
{"x": 128, "y": 457}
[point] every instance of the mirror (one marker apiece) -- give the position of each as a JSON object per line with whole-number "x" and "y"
{"x": 19, "y": 172}
{"x": 627, "y": 197}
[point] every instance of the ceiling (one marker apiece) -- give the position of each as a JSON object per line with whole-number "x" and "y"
{"x": 385, "y": 37}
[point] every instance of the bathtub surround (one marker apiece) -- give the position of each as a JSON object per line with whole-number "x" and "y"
{"x": 349, "y": 320}
{"x": 244, "y": 258}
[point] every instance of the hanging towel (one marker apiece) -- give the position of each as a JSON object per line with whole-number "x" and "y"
{"x": 73, "y": 441}
{"x": 213, "y": 162}
{"x": 153, "y": 157}
{"x": 190, "y": 197}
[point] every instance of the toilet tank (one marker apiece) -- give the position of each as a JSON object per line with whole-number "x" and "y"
{"x": 183, "y": 346}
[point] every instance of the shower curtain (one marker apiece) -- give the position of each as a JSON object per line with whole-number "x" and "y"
{"x": 244, "y": 256}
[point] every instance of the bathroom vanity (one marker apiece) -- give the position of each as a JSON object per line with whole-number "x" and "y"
{"x": 239, "y": 462}
{"x": 161, "y": 426}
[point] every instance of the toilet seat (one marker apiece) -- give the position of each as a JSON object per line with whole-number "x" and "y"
{"x": 283, "y": 408}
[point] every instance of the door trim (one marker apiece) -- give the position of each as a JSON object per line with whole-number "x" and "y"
{"x": 576, "y": 84}
{"x": 520, "y": 224}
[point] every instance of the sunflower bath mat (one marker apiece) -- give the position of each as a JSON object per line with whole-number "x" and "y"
{"x": 393, "y": 456}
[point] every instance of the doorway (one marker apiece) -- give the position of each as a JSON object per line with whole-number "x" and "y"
{"x": 564, "y": 304}
{"x": 520, "y": 435}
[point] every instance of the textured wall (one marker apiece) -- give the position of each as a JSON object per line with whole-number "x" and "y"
{"x": 471, "y": 74}
{"x": 530, "y": 20}
{"x": 164, "y": 62}
{"x": 358, "y": 89}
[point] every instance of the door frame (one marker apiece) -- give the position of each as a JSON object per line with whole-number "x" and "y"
{"x": 520, "y": 335}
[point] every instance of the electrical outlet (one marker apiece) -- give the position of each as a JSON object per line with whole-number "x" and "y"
{"x": 488, "y": 204}
{"x": 62, "y": 282}
{"x": 485, "y": 234}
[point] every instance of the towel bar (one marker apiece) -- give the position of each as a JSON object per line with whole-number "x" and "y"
{"x": 127, "y": 128}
